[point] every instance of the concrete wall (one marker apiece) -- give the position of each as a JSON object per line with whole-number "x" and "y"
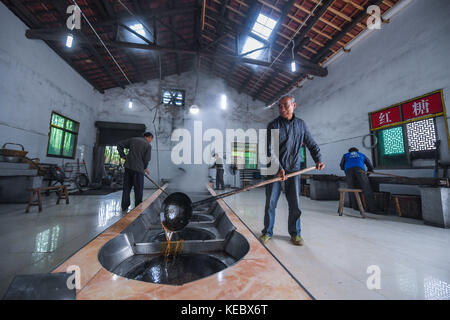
{"x": 34, "y": 81}
{"x": 406, "y": 58}
{"x": 242, "y": 113}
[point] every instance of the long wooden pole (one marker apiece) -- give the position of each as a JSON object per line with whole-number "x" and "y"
{"x": 203, "y": 14}
{"x": 227, "y": 194}
{"x": 155, "y": 184}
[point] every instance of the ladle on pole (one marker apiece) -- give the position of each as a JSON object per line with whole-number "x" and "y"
{"x": 176, "y": 210}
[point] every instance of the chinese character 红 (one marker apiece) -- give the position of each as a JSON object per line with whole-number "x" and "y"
{"x": 384, "y": 118}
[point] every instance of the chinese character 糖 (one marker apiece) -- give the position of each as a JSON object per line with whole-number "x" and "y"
{"x": 421, "y": 108}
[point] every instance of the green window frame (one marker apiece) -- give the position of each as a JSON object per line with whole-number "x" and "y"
{"x": 62, "y": 136}
{"x": 391, "y": 151}
{"x": 303, "y": 157}
{"x": 246, "y": 154}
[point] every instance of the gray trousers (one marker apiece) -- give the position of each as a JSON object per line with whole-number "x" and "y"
{"x": 219, "y": 179}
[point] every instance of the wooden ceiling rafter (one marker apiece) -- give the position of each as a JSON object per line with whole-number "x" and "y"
{"x": 329, "y": 30}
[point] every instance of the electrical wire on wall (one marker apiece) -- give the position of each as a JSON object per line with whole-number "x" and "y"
{"x": 156, "y": 107}
{"x": 151, "y": 109}
{"x": 101, "y": 41}
{"x": 137, "y": 19}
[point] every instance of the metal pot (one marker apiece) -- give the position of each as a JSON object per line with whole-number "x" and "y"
{"x": 11, "y": 152}
{"x": 176, "y": 211}
{"x": 11, "y": 159}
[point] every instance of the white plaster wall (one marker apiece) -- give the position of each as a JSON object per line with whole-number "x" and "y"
{"x": 242, "y": 112}
{"x": 34, "y": 81}
{"x": 405, "y": 59}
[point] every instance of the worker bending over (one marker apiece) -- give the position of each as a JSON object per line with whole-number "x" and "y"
{"x": 354, "y": 163}
{"x": 139, "y": 154}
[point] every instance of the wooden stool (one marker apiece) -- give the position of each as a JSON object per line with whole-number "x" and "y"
{"x": 246, "y": 182}
{"x": 358, "y": 200}
{"x": 60, "y": 190}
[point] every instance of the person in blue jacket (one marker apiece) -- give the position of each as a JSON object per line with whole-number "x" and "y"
{"x": 292, "y": 134}
{"x": 354, "y": 164}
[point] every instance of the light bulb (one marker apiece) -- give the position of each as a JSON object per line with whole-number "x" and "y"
{"x": 194, "y": 109}
{"x": 69, "y": 41}
{"x": 293, "y": 67}
{"x": 223, "y": 102}
{"x": 130, "y": 104}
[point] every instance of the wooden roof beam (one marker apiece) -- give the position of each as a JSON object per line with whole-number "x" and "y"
{"x": 284, "y": 13}
{"x": 347, "y": 28}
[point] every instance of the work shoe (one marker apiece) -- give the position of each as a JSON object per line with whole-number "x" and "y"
{"x": 264, "y": 238}
{"x": 297, "y": 240}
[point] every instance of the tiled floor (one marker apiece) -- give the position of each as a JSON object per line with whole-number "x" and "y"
{"x": 413, "y": 259}
{"x": 38, "y": 242}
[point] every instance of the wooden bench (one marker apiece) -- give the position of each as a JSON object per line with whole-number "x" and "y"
{"x": 356, "y": 192}
{"x": 60, "y": 190}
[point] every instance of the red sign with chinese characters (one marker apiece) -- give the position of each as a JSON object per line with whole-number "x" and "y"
{"x": 386, "y": 117}
{"x": 422, "y": 107}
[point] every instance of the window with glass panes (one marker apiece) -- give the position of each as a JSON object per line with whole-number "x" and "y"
{"x": 421, "y": 135}
{"x": 399, "y": 145}
{"x": 408, "y": 131}
{"x": 245, "y": 154}
{"x": 303, "y": 155}
{"x": 63, "y": 136}
{"x": 112, "y": 155}
{"x": 391, "y": 152}
{"x": 172, "y": 97}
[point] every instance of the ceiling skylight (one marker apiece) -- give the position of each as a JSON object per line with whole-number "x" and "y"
{"x": 138, "y": 28}
{"x": 250, "y": 45}
{"x": 264, "y": 26}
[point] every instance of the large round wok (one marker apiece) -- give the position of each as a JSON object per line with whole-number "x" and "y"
{"x": 176, "y": 210}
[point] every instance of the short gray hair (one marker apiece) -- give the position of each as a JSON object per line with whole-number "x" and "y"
{"x": 287, "y": 96}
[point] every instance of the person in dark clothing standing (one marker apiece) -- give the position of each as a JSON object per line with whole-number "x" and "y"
{"x": 292, "y": 133}
{"x": 353, "y": 164}
{"x": 218, "y": 164}
{"x": 139, "y": 154}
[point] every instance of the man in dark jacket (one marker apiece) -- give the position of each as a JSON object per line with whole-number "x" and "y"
{"x": 292, "y": 133}
{"x": 139, "y": 153}
{"x": 218, "y": 165}
{"x": 353, "y": 163}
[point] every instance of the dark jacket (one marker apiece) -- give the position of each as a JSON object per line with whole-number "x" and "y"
{"x": 139, "y": 153}
{"x": 355, "y": 159}
{"x": 293, "y": 133}
{"x": 218, "y": 164}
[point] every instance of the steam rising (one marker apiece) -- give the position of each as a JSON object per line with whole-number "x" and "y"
{"x": 241, "y": 113}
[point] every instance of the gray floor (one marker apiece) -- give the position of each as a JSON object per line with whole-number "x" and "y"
{"x": 37, "y": 242}
{"x": 413, "y": 259}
